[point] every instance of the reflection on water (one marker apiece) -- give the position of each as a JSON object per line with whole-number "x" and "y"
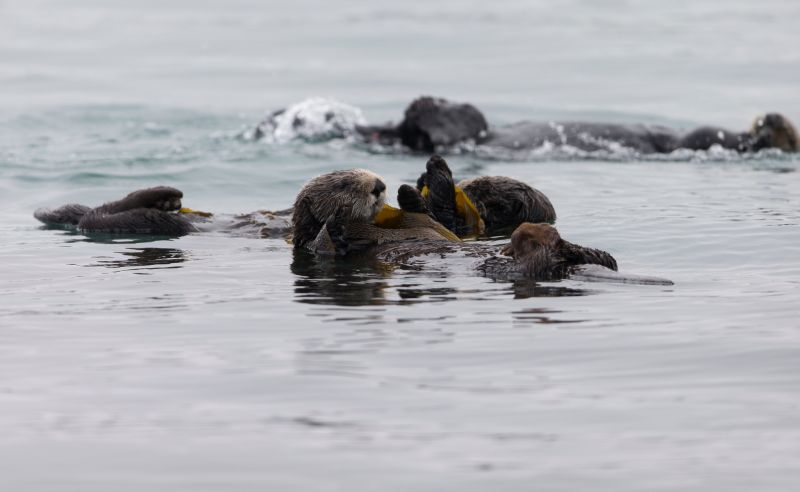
{"x": 350, "y": 282}
{"x": 365, "y": 282}
{"x": 525, "y": 289}
{"x": 146, "y": 258}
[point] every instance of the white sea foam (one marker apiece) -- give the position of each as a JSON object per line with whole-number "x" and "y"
{"x": 313, "y": 119}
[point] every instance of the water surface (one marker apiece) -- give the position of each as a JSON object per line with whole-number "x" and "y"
{"x": 213, "y": 362}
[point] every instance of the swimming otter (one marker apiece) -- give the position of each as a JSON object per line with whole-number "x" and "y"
{"x": 432, "y": 124}
{"x": 147, "y": 211}
{"x": 503, "y": 203}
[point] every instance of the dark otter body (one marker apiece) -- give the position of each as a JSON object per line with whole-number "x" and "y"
{"x": 503, "y": 203}
{"x": 435, "y": 124}
{"x": 154, "y": 211}
{"x": 583, "y": 136}
{"x": 705, "y": 137}
{"x": 148, "y": 211}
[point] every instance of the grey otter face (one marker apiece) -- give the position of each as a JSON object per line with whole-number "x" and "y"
{"x": 773, "y": 130}
{"x": 363, "y": 191}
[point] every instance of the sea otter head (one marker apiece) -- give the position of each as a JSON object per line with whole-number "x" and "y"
{"x": 362, "y": 191}
{"x": 773, "y": 130}
{"x": 529, "y": 238}
{"x": 432, "y": 122}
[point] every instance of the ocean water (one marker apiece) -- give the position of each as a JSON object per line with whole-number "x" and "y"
{"x": 213, "y": 362}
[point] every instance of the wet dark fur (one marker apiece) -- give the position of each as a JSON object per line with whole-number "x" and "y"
{"x": 146, "y": 211}
{"x": 434, "y": 124}
{"x": 540, "y": 253}
{"x": 774, "y": 130}
{"x": 503, "y": 203}
{"x": 704, "y": 137}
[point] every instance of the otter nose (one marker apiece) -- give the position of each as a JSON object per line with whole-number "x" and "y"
{"x": 379, "y": 188}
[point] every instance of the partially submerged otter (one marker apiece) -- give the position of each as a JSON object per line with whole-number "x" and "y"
{"x": 339, "y": 214}
{"x": 147, "y": 211}
{"x": 432, "y": 124}
{"x": 157, "y": 211}
{"x": 325, "y": 223}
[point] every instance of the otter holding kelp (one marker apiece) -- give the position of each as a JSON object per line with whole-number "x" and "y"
{"x": 344, "y": 213}
{"x": 502, "y": 203}
{"x": 338, "y": 214}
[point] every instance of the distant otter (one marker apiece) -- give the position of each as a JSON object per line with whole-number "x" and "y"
{"x": 432, "y": 124}
{"x": 148, "y": 211}
{"x": 503, "y": 203}
{"x": 774, "y": 131}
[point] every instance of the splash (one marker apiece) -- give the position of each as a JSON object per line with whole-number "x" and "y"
{"x": 313, "y": 120}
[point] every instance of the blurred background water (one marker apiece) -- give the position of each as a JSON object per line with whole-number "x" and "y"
{"x": 212, "y": 362}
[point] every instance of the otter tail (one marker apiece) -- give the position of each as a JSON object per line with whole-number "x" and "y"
{"x": 598, "y": 273}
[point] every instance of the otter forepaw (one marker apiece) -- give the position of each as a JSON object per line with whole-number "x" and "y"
{"x": 410, "y": 200}
{"x": 164, "y": 198}
{"x": 337, "y": 231}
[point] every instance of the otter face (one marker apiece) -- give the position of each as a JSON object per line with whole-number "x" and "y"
{"x": 773, "y": 130}
{"x": 528, "y": 238}
{"x": 360, "y": 190}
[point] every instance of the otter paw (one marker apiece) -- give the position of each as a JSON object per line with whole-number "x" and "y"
{"x": 410, "y": 200}
{"x": 337, "y": 231}
{"x": 163, "y": 198}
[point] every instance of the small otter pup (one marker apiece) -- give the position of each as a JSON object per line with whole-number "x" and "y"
{"x": 147, "y": 211}
{"x": 542, "y": 254}
{"x": 503, "y": 203}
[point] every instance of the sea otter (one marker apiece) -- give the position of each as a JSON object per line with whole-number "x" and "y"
{"x": 325, "y": 222}
{"x": 358, "y": 193}
{"x": 147, "y": 211}
{"x": 433, "y": 124}
{"x": 503, "y": 203}
{"x": 157, "y": 211}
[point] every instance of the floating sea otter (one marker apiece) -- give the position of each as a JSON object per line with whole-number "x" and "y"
{"x": 339, "y": 214}
{"x": 435, "y": 124}
{"x": 432, "y": 123}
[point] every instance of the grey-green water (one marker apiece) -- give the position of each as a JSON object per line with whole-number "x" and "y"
{"x": 213, "y": 362}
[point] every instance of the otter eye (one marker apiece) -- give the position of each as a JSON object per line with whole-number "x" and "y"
{"x": 379, "y": 188}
